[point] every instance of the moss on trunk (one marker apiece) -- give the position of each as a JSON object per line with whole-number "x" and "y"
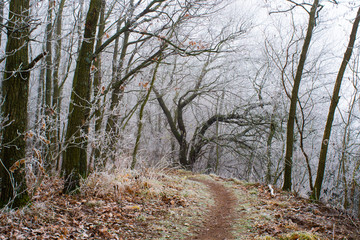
{"x": 15, "y": 88}
{"x": 75, "y": 157}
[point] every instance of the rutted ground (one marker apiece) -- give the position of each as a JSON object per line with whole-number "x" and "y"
{"x": 172, "y": 204}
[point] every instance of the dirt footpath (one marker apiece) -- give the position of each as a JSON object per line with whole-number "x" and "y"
{"x": 221, "y": 215}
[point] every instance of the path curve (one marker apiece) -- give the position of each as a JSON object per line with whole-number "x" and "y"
{"x": 221, "y": 216}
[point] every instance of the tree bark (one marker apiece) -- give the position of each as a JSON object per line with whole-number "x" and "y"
{"x": 96, "y": 86}
{"x": 48, "y": 85}
{"x": 294, "y": 98}
{"x": 75, "y": 156}
{"x": 330, "y": 118}
{"x": 56, "y": 100}
{"x": 15, "y": 88}
{"x": 270, "y": 137}
{"x": 117, "y": 89}
{"x": 1, "y": 17}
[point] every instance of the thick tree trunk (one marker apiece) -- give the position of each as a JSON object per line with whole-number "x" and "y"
{"x": 179, "y": 136}
{"x": 75, "y": 157}
{"x": 15, "y": 87}
{"x": 294, "y": 98}
{"x": 184, "y": 145}
{"x": 334, "y": 101}
{"x": 199, "y": 141}
{"x": 183, "y": 152}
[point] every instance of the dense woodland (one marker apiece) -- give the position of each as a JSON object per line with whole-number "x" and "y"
{"x": 259, "y": 90}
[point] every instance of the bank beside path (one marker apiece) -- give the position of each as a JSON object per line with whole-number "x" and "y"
{"x": 172, "y": 204}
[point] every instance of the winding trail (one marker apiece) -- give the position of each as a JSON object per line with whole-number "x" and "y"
{"x": 218, "y": 222}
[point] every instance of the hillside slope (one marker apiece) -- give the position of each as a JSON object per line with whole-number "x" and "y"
{"x": 172, "y": 204}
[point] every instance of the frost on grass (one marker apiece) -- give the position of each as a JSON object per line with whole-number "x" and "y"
{"x": 124, "y": 203}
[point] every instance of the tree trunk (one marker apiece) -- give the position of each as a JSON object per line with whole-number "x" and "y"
{"x": 300, "y": 126}
{"x": 270, "y": 137}
{"x": 334, "y": 101}
{"x": 294, "y": 98}
{"x": 96, "y": 87}
{"x": 345, "y": 145}
{"x": 48, "y": 85}
{"x": 1, "y": 17}
{"x": 40, "y": 145}
{"x": 56, "y": 101}
{"x": 111, "y": 129}
{"x": 120, "y": 75}
{"x": 79, "y": 23}
{"x": 178, "y": 131}
{"x": 117, "y": 89}
{"x": 15, "y": 87}
{"x": 141, "y": 113}
{"x": 75, "y": 157}
{"x": 114, "y": 75}
{"x": 174, "y": 130}
{"x": 218, "y": 148}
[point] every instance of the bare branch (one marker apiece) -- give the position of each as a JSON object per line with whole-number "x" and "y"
{"x": 302, "y": 5}
{"x": 33, "y": 62}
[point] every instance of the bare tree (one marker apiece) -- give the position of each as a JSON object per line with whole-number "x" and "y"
{"x": 294, "y": 98}
{"x": 141, "y": 114}
{"x": 75, "y": 157}
{"x": 334, "y": 102}
{"x": 192, "y": 138}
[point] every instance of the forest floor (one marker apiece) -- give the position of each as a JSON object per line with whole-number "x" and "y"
{"x": 172, "y": 204}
